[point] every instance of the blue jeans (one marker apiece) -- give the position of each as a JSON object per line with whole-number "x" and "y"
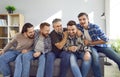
{"x": 41, "y": 66}
{"x": 64, "y": 64}
{"x": 75, "y": 67}
{"x": 7, "y": 57}
{"x": 96, "y": 63}
{"x": 110, "y": 53}
{"x": 22, "y": 65}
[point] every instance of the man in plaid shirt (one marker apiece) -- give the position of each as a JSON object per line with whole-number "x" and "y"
{"x": 75, "y": 45}
{"x": 96, "y": 38}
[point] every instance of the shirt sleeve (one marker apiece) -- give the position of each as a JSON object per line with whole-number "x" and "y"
{"x": 13, "y": 42}
{"x": 101, "y": 34}
{"x": 49, "y": 44}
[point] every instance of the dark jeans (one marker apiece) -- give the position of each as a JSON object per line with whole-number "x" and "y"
{"x": 64, "y": 65}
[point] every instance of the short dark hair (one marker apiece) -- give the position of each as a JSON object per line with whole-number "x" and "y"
{"x": 42, "y": 25}
{"x": 25, "y": 27}
{"x": 71, "y": 22}
{"x": 56, "y": 20}
{"x": 82, "y": 13}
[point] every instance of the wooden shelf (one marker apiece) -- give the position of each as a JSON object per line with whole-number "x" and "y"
{"x": 10, "y": 24}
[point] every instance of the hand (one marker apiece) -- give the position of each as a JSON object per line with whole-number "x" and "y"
{"x": 79, "y": 33}
{"x": 24, "y": 51}
{"x": 65, "y": 34}
{"x": 37, "y": 54}
{"x": 87, "y": 56}
{"x": 72, "y": 48}
{"x": 1, "y": 52}
{"x": 86, "y": 42}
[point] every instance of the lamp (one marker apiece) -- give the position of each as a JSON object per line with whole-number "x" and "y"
{"x": 103, "y": 15}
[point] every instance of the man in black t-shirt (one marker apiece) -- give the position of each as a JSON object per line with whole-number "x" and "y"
{"x": 58, "y": 40}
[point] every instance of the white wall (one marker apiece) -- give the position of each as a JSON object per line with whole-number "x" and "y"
{"x": 37, "y": 11}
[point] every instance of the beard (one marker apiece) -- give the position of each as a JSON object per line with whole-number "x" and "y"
{"x": 45, "y": 35}
{"x": 30, "y": 36}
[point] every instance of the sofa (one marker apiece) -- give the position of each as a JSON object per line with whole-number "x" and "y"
{"x": 34, "y": 66}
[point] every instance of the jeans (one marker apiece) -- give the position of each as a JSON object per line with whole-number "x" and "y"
{"x": 64, "y": 64}
{"x": 110, "y": 53}
{"x": 75, "y": 67}
{"x": 96, "y": 63}
{"x": 41, "y": 66}
{"x": 7, "y": 57}
{"x": 22, "y": 65}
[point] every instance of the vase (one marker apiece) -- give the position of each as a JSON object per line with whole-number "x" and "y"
{"x": 10, "y": 11}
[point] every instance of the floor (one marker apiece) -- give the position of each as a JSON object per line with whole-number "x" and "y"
{"x": 110, "y": 71}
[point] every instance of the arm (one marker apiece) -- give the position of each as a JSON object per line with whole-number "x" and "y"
{"x": 10, "y": 44}
{"x": 60, "y": 44}
{"x": 99, "y": 34}
{"x": 94, "y": 42}
{"x": 50, "y": 45}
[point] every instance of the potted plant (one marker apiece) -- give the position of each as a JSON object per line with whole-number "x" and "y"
{"x": 116, "y": 45}
{"x": 10, "y": 9}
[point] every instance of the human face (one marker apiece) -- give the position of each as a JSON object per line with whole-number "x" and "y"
{"x": 58, "y": 26}
{"x": 72, "y": 30}
{"x": 45, "y": 31}
{"x": 30, "y": 32}
{"x": 83, "y": 21}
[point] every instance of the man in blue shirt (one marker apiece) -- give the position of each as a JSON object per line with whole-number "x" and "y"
{"x": 96, "y": 38}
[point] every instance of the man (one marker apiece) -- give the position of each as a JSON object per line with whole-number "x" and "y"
{"x": 96, "y": 38}
{"x": 42, "y": 45}
{"x": 21, "y": 43}
{"x": 75, "y": 45}
{"x": 58, "y": 40}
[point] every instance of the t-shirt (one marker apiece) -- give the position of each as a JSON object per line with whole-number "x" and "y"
{"x": 86, "y": 34}
{"x": 55, "y": 38}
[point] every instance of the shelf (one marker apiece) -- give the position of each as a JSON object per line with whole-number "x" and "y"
{"x": 10, "y": 24}
{"x": 3, "y": 26}
{"x": 3, "y": 37}
{"x": 14, "y": 26}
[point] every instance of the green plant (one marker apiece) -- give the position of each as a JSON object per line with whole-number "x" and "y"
{"x": 116, "y": 45}
{"x": 10, "y": 8}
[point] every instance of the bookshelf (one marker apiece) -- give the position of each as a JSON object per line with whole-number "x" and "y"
{"x": 10, "y": 24}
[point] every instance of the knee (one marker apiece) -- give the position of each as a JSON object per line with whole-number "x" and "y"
{"x": 42, "y": 58}
{"x": 73, "y": 60}
{"x": 65, "y": 55}
{"x": 27, "y": 57}
{"x": 87, "y": 56}
{"x": 95, "y": 56}
{"x": 50, "y": 55}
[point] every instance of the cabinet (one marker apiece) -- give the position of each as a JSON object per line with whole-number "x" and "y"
{"x": 10, "y": 24}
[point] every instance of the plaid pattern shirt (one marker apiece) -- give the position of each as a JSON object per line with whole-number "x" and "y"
{"x": 95, "y": 33}
{"x": 42, "y": 44}
{"x": 76, "y": 41}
